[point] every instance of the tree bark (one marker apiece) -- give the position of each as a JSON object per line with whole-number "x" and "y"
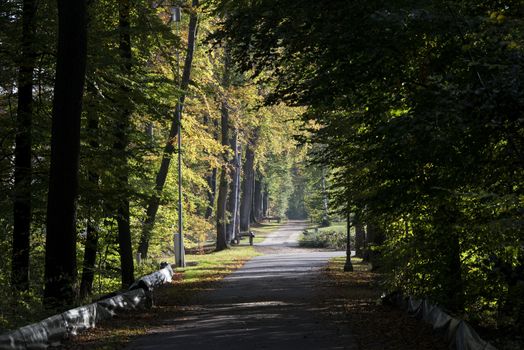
{"x": 154, "y": 200}
{"x": 325, "y": 214}
{"x": 374, "y": 238}
{"x": 222, "y": 189}
{"x": 23, "y": 144}
{"x": 222, "y": 241}
{"x": 360, "y": 237}
{"x": 60, "y": 258}
{"x": 265, "y": 201}
{"x": 247, "y": 190}
{"x": 258, "y": 198}
{"x": 348, "y": 266}
{"x": 232, "y": 204}
{"x": 91, "y": 245}
{"x": 121, "y": 149}
{"x": 211, "y": 178}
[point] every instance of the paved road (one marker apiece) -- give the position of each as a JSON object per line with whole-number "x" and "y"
{"x": 273, "y": 302}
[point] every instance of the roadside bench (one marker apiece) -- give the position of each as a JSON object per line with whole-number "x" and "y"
{"x": 274, "y": 218}
{"x": 248, "y": 234}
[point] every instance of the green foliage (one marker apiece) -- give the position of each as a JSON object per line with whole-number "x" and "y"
{"x": 333, "y": 237}
{"x": 418, "y": 108}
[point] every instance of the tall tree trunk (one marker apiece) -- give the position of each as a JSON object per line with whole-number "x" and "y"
{"x": 374, "y": 238}
{"x": 222, "y": 242}
{"x": 325, "y": 214}
{"x": 212, "y": 183}
{"x": 121, "y": 145}
{"x": 253, "y": 219}
{"x": 265, "y": 201}
{"x": 211, "y": 178}
{"x": 23, "y": 142}
{"x": 154, "y": 200}
{"x": 91, "y": 245}
{"x": 348, "y": 266}
{"x": 232, "y": 203}
{"x": 60, "y": 258}
{"x": 247, "y": 190}
{"x": 360, "y": 236}
{"x": 258, "y": 198}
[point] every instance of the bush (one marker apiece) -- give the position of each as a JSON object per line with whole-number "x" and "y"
{"x": 324, "y": 239}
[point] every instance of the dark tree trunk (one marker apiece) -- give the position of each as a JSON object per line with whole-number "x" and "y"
{"x": 374, "y": 238}
{"x": 265, "y": 201}
{"x": 24, "y": 121}
{"x": 360, "y": 236}
{"x": 212, "y": 178}
{"x": 154, "y": 200}
{"x": 91, "y": 245}
{"x": 232, "y": 204}
{"x": 253, "y": 219}
{"x": 247, "y": 190}
{"x": 222, "y": 190}
{"x": 121, "y": 145}
{"x": 60, "y": 259}
{"x": 222, "y": 241}
{"x": 325, "y": 221}
{"x": 348, "y": 266}
{"x": 258, "y": 198}
{"x": 212, "y": 183}
{"x": 88, "y": 267}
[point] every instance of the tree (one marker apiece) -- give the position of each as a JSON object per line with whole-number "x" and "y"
{"x": 222, "y": 219}
{"x": 121, "y": 148}
{"x": 60, "y": 259}
{"x": 23, "y": 157}
{"x": 246, "y": 204}
{"x": 234, "y": 188}
{"x": 154, "y": 200}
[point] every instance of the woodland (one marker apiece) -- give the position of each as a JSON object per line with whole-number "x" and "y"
{"x": 405, "y": 117}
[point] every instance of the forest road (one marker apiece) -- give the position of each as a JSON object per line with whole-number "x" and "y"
{"x": 275, "y": 301}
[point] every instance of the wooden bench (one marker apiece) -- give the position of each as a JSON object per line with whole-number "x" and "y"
{"x": 274, "y": 218}
{"x": 249, "y": 234}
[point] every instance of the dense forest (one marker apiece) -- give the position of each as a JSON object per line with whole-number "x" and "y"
{"x": 404, "y": 116}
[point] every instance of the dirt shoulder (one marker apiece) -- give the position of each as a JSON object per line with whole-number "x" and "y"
{"x": 353, "y": 297}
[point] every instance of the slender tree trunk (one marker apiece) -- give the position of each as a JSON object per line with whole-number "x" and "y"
{"x": 60, "y": 259}
{"x": 265, "y": 203}
{"x": 212, "y": 183}
{"x": 360, "y": 237}
{"x": 374, "y": 238}
{"x": 121, "y": 145}
{"x": 257, "y": 199}
{"x": 232, "y": 203}
{"x": 222, "y": 242}
{"x": 91, "y": 245}
{"x": 325, "y": 214}
{"x": 154, "y": 200}
{"x": 23, "y": 142}
{"x": 348, "y": 266}
{"x": 247, "y": 190}
{"x": 212, "y": 179}
{"x": 253, "y": 219}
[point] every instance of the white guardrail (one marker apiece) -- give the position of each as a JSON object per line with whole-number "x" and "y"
{"x": 458, "y": 333}
{"x": 52, "y": 330}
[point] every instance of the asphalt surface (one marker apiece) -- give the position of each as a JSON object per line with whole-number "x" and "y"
{"x": 274, "y": 302}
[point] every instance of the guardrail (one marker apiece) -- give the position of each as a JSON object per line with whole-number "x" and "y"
{"x": 458, "y": 333}
{"x": 52, "y": 330}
